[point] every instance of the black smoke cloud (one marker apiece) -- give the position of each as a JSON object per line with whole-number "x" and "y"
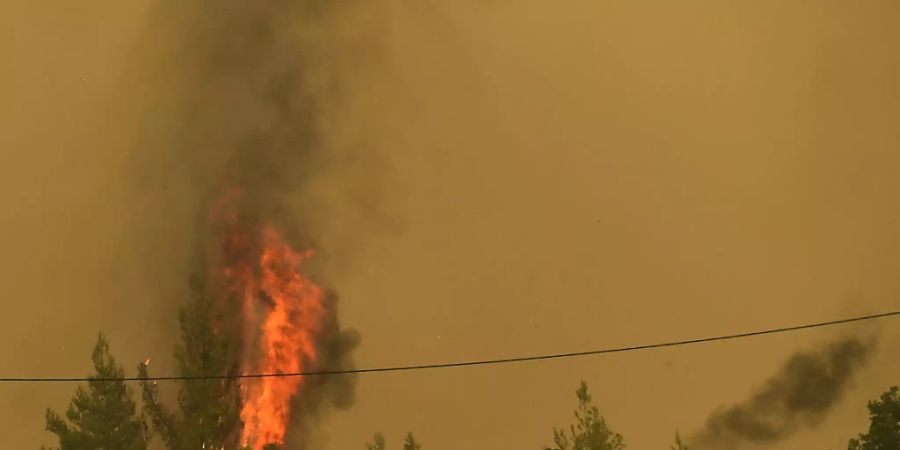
{"x": 324, "y": 392}
{"x": 254, "y": 95}
{"x": 799, "y": 396}
{"x": 245, "y": 88}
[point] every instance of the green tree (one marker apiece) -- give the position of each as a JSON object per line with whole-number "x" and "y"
{"x": 884, "y": 424}
{"x": 103, "y": 416}
{"x": 590, "y": 431}
{"x": 679, "y": 444}
{"x": 209, "y": 408}
{"x": 378, "y": 443}
{"x": 410, "y": 443}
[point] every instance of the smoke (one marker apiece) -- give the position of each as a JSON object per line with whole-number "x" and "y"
{"x": 258, "y": 96}
{"x": 799, "y": 396}
{"x": 320, "y": 392}
{"x": 247, "y": 103}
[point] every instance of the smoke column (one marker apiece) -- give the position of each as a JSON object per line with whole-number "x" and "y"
{"x": 799, "y": 396}
{"x": 248, "y": 92}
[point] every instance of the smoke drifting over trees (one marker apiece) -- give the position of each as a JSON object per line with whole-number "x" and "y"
{"x": 799, "y": 396}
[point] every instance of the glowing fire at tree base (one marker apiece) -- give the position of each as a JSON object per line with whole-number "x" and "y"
{"x": 285, "y": 335}
{"x": 281, "y": 315}
{"x": 253, "y": 312}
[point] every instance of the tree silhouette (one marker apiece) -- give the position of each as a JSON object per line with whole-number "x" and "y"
{"x": 410, "y": 443}
{"x": 209, "y": 408}
{"x": 679, "y": 444}
{"x": 103, "y": 416}
{"x": 378, "y": 443}
{"x": 884, "y": 424}
{"x": 590, "y": 431}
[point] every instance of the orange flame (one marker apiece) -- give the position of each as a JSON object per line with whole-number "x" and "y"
{"x": 287, "y": 340}
{"x": 281, "y": 314}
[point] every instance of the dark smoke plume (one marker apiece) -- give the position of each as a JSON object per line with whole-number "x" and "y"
{"x": 321, "y": 392}
{"x": 252, "y": 95}
{"x": 244, "y": 100}
{"x": 799, "y": 396}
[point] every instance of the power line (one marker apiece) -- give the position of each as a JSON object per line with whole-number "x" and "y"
{"x": 482, "y": 362}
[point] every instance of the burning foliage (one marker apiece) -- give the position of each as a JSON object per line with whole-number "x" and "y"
{"x": 257, "y": 312}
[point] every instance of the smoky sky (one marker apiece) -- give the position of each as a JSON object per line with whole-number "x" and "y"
{"x": 798, "y": 396}
{"x": 600, "y": 174}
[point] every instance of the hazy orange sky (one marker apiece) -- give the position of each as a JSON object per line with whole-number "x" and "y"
{"x": 548, "y": 179}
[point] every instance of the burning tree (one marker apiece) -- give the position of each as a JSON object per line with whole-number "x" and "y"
{"x": 251, "y": 138}
{"x": 283, "y": 312}
{"x": 254, "y": 313}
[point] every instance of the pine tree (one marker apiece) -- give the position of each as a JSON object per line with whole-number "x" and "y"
{"x": 378, "y": 443}
{"x": 410, "y": 443}
{"x": 103, "y": 416}
{"x": 209, "y": 408}
{"x": 679, "y": 444}
{"x": 590, "y": 431}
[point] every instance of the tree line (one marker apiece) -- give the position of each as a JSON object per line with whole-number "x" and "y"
{"x": 104, "y": 415}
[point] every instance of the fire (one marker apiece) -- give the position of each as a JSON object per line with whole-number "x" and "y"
{"x": 287, "y": 341}
{"x": 281, "y": 313}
